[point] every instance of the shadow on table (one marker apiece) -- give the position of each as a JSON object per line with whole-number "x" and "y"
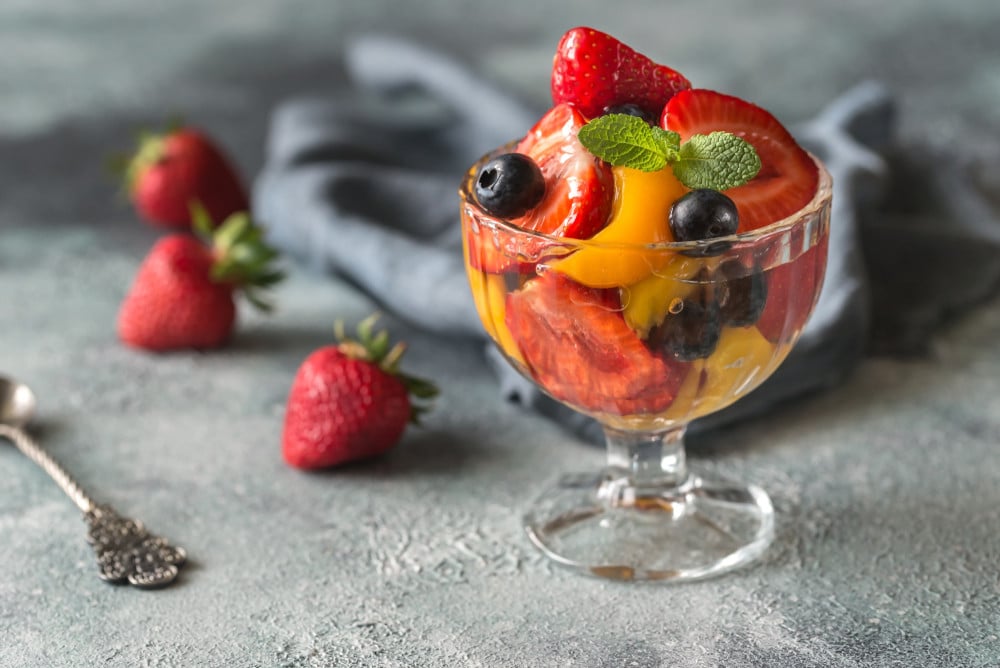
{"x": 424, "y": 452}
{"x": 286, "y": 337}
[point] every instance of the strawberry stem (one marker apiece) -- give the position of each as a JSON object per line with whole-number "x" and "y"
{"x": 150, "y": 151}
{"x": 390, "y": 361}
{"x": 374, "y": 347}
{"x": 242, "y": 258}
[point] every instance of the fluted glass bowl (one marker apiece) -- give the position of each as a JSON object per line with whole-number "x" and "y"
{"x": 645, "y": 339}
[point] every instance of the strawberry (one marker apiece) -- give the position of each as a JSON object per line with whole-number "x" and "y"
{"x": 579, "y": 191}
{"x": 350, "y": 402}
{"x": 171, "y": 171}
{"x": 594, "y": 71}
{"x": 494, "y": 249}
{"x": 788, "y": 176}
{"x": 792, "y": 290}
{"x": 579, "y": 348}
{"x": 579, "y": 187}
{"x": 182, "y": 296}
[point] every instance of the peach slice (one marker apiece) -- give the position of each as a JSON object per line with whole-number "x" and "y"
{"x": 648, "y": 302}
{"x": 640, "y": 215}
{"x": 489, "y": 292}
{"x": 739, "y": 363}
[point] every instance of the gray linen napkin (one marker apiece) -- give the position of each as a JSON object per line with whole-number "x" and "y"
{"x": 363, "y": 185}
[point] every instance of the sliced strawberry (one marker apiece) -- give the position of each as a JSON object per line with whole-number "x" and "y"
{"x": 578, "y": 347}
{"x": 579, "y": 187}
{"x": 788, "y": 176}
{"x": 593, "y": 70}
{"x": 579, "y": 191}
{"x": 792, "y": 289}
{"x": 492, "y": 248}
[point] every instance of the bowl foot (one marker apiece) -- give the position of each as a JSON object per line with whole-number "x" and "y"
{"x": 607, "y": 527}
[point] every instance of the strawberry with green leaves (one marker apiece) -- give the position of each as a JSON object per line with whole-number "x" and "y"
{"x": 171, "y": 171}
{"x": 183, "y": 294}
{"x": 350, "y": 401}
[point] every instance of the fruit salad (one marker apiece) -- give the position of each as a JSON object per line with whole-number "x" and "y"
{"x": 648, "y": 252}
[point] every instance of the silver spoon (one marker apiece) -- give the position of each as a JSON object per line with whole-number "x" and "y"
{"x": 126, "y": 552}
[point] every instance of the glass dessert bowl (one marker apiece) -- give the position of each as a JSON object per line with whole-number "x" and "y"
{"x": 645, "y": 338}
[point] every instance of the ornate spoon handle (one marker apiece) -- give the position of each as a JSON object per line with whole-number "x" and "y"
{"x": 126, "y": 552}
{"x": 34, "y": 452}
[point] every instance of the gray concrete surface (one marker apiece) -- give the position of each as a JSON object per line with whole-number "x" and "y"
{"x": 886, "y": 487}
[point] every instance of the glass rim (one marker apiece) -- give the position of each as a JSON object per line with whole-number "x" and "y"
{"x": 821, "y": 198}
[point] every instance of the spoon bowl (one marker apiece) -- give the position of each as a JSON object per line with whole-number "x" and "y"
{"x": 17, "y": 403}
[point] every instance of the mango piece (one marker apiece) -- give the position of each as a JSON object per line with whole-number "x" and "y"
{"x": 741, "y": 361}
{"x": 489, "y": 292}
{"x": 647, "y": 302}
{"x": 640, "y": 215}
{"x": 687, "y": 396}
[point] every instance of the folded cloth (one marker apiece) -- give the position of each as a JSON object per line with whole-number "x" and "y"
{"x": 363, "y": 186}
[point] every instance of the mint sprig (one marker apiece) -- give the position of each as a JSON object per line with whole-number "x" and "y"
{"x": 719, "y": 160}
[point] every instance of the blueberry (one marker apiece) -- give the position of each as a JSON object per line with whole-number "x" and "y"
{"x": 631, "y": 110}
{"x": 690, "y": 331}
{"x": 509, "y": 185}
{"x": 704, "y": 214}
{"x": 742, "y": 294}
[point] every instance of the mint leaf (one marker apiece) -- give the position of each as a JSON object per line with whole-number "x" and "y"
{"x": 628, "y": 141}
{"x": 718, "y": 160}
{"x": 668, "y": 138}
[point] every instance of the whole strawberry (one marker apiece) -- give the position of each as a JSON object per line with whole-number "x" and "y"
{"x": 183, "y": 294}
{"x": 596, "y": 73}
{"x": 170, "y": 171}
{"x": 350, "y": 401}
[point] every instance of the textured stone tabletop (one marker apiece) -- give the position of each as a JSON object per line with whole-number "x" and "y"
{"x": 886, "y": 487}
